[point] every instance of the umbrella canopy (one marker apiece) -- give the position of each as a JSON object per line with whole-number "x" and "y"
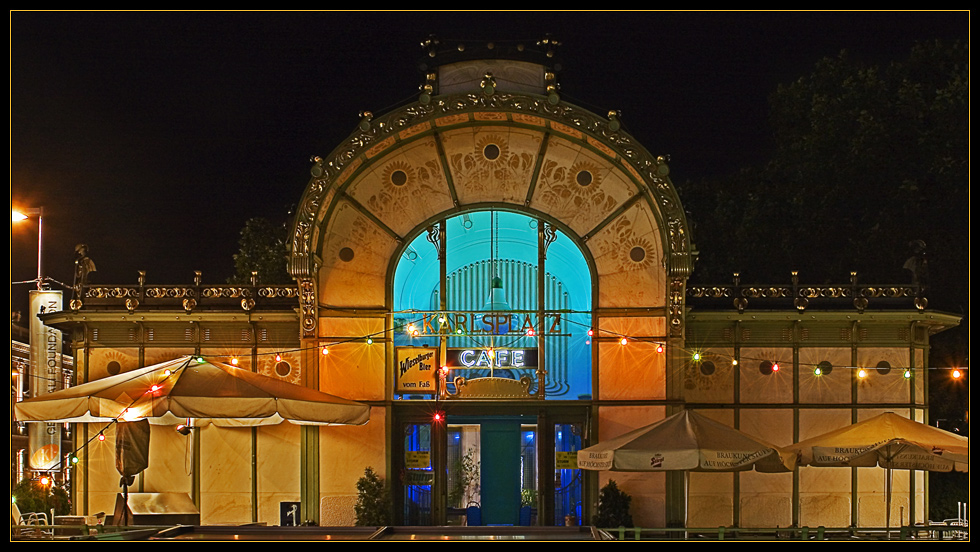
{"x": 173, "y": 391}
{"x": 686, "y": 441}
{"x": 887, "y": 440}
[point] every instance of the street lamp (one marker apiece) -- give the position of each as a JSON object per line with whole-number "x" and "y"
{"x": 23, "y": 214}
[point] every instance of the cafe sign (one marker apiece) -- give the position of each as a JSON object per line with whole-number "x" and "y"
{"x": 487, "y": 358}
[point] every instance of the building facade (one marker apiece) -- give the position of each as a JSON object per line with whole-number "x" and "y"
{"x": 502, "y": 276}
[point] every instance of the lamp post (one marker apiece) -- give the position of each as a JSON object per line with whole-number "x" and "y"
{"x": 46, "y": 370}
{"x": 23, "y": 214}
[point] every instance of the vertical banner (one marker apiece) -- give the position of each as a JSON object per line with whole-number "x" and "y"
{"x": 45, "y": 376}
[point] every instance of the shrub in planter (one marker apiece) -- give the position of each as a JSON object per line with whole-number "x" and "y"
{"x": 32, "y": 496}
{"x": 614, "y": 507}
{"x": 373, "y": 500}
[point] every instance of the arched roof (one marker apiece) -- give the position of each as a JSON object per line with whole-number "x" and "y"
{"x": 521, "y": 152}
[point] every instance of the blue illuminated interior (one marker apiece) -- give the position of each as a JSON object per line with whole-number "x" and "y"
{"x": 484, "y": 244}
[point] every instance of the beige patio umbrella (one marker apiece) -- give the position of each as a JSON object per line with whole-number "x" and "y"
{"x": 688, "y": 442}
{"x": 171, "y": 392}
{"x": 890, "y": 441}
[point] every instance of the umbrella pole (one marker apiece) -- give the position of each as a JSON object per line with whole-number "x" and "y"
{"x": 125, "y": 502}
{"x": 888, "y": 503}
{"x": 687, "y": 500}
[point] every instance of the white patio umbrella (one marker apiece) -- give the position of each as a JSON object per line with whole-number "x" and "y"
{"x": 688, "y": 442}
{"x": 173, "y": 391}
{"x": 890, "y": 441}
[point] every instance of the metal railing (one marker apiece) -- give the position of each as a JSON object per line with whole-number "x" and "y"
{"x": 930, "y": 532}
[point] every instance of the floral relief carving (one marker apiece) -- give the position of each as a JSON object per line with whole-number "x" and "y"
{"x": 575, "y": 193}
{"x": 626, "y": 248}
{"x": 404, "y": 184}
{"x": 308, "y": 306}
{"x": 491, "y": 167}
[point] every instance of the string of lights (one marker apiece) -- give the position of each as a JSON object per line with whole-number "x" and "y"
{"x": 696, "y": 356}
{"x": 100, "y": 436}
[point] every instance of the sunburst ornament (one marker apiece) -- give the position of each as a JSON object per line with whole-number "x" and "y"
{"x": 491, "y": 150}
{"x": 638, "y": 253}
{"x": 585, "y": 175}
{"x": 398, "y": 174}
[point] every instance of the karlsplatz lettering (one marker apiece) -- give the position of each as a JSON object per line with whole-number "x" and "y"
{"x": 496, "y": 323}
{"x": 409, "y": 363}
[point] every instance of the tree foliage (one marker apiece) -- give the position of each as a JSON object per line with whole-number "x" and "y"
{"x": 33, "y": 496}
{"x": 866, "y": 159}
{"x": 262, "y": 248}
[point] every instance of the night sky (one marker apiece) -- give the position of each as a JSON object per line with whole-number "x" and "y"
{"x": 152, "y": 137}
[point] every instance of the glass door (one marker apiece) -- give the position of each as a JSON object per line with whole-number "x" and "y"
{"x": 417, "y": 482}
{"x": 568, "y": 478}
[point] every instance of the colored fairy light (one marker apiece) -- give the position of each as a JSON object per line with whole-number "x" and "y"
{"x": 459, "y": 331}
{"x": 278, "y": 357}
{"x": 591, "y": 332}
{"x": 370, "y": 341}
{"x": 908, "y": 374}
{"x": 817, "y": 371}
{"x": 444, "y": 369}
{"x": 623, "y": 341}
{"x": 167, "y": 372}
{"x": 74, "y": 459}
{"x": 200, "y": 360}
{"x": 101, "y": 436}
{"x": 154, "y": 388}
{"x": 234, "y": 361}
{"x": 45, "y": 480}
{"x": 696, "y": 356}
{"x": 734, "y": 362}
{"x": 324, "y": 351}
{"x": 530, "y": 332}
{"x": 410, "y": 329}
{"x": 775, "y": 366}
{"x": 957, "y": 374}
{"x": 660, "y": 347}
{"x": 862, "y": 373}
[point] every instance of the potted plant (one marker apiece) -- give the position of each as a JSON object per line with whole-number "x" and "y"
{"x": 614, "y": 507}
{"x": 373, "y": 506}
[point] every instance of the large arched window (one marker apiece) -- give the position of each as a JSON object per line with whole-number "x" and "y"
{"x": 494, "y": 300}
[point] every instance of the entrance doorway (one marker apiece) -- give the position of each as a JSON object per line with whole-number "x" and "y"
{"x": 491, "y": 470}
